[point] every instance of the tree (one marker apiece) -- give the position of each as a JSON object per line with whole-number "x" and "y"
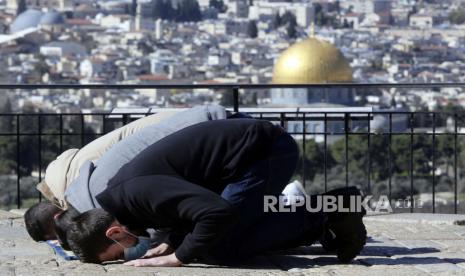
{"x": 411, "y": 12}
{"x": 22, "y": 6}
{"x": 291, "y": 29}
{"x": 457, "y": 16}
{"x": 287, "y": 17}
{"x": 314, "y": 158}
{"x": 188, "y": 11}
{"x": 157, "y": 9}
{"x": 6, "y": 122}
{"x": 277, "y": 21}
{"x": 252, "y": 29}
{"x": 134, "y": 8}
{"x": 345, "y": 24}
{"x": 168, "y": 12}
{"x": 218, "y": 5}
{"x": 227, "y": 98}
{"x": 196, "y": 14}
{"x": 144, "y": 47}
{"x": 320, "y": 18}
{"x": 163, "y": 9}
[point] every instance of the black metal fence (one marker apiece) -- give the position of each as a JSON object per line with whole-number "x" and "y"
{"x": 403, "y": 155}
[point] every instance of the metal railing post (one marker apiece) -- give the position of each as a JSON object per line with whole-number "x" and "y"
{"x": 40, "y": 152}
{"x": 235, "y": 91}
{"x": 346, "y": 130}
{"x": 18, "y": 169}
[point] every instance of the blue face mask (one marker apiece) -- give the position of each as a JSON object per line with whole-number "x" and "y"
{"x": 138, "y": 250}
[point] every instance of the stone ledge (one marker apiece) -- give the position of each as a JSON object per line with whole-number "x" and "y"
{"x": 9, "y": 215}
{"x": 398, "y": 244}
{"x": 446, "y": 219}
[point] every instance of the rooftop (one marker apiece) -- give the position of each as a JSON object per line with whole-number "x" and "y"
{"x": 398, "y": 244}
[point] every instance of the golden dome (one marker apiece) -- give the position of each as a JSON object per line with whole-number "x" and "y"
{"x": 311, "y": 61}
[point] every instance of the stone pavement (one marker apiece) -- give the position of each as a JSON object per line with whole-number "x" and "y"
{"x": 399, "y": 244}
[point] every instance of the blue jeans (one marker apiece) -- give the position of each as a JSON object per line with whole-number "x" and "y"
{"x": 258, "y": 231}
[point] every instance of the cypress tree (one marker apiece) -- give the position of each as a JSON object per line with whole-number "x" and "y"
{"x": 22, "y": 6}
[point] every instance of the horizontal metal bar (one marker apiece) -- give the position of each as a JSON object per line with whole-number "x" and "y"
{"x": 229, "y": 86}
{"x": 291, "y": 113}
{"x": 313, "y": 133}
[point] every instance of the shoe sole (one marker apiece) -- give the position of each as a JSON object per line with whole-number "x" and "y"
{"x": 351, "y": 237}
{"x": 349, "y": 229}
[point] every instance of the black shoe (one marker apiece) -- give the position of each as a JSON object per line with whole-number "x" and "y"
{"x": 328, "y": 240}
{"x": 345, "y": 233}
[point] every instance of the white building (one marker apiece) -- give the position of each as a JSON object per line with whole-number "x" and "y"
{"x": 162, "y": 62}
{"x": 204, "y": 3}
{"x": 370, "y": 6}
{"x": 240, "y": 8}
{"x": 381, "y": 8}
{"x": 421, "y": 21}
{"x": 61, "y": 5}
{"x": 159, "y": 29}
{"x": 122, "y": 22}
{"x": 62, "y": 48}
{"x": 218, "y": 60}
{"x": 353, "y": 19}
{"x": 304, "y": 12}
{"x": 214, "y": 27}
{"x": 90, "y": 68}
{"x": 141, "y": 23}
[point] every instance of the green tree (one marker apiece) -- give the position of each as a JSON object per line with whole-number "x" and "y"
{"x": 6, "y": 122}
{"x": 277, "y": 21}
{"x": 252, "y": 29}
{"x": 359, "y": 155}
{"x": 457, "y": 16}
{"x": 22, "y": 6}
{"x": 188, "y": 11}
{"x": 320, "y": 18}
{"x": 227, "y": 98}
{"x": 134, "y": 8}
{"x": 345, "y": 24}
{"x": 287, "y": 17}
{"x": 41, "y": 66}
{"x": 218, "y": 5}
{"x": 163, "y": 9}
{"x": 157, "y": 9}
{"x": 168, "y": 10}
{"x": 291, "y": 29}
{"x": 313, "y": 158}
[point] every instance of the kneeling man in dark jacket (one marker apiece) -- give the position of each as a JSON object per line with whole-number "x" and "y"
{"x": 207, "y": 184}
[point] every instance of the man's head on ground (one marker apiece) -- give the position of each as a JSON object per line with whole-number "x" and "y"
{"x": 62, "y": 222}
{"x": 39, "y": 221}
{"x": 96, "y": 236}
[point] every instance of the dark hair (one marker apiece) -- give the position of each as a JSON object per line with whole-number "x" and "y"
{"x": 86, "y": 234}
{"x": 39, "y": 220}
{"x": 62, "y": 224}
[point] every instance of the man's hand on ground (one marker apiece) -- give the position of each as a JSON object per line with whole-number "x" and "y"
{"x": 161, "y": 250}
{"x": 169, "y": 260}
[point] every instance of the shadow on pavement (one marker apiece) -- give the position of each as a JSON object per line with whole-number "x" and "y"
{"x": 289, "y": 262}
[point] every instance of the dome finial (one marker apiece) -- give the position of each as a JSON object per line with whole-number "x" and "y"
{"x": 311, "y": 34}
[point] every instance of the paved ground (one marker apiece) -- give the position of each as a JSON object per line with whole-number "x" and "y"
{"x": 402, "y": 244}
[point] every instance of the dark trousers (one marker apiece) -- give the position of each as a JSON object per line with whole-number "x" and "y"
{"x": 258, "y": 231}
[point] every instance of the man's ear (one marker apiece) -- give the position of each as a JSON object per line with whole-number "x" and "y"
{"x": 115, "y": 232}
{"x": 57, "y": 215}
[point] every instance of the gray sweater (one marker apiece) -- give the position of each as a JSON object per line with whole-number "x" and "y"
{"x": 93, "y": 178}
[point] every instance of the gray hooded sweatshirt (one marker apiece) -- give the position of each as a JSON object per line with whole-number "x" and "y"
{"x": 93, "y": 178}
